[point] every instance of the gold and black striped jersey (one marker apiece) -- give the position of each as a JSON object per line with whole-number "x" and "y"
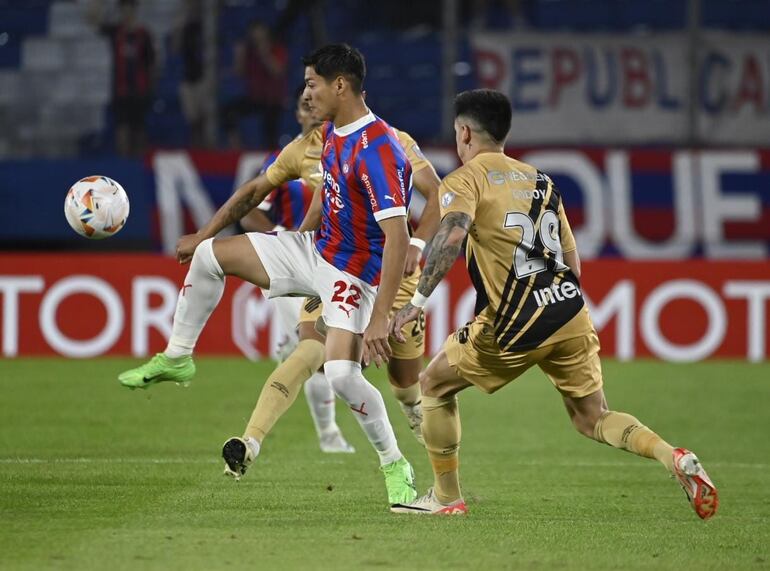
{"x": 514, "y": 251}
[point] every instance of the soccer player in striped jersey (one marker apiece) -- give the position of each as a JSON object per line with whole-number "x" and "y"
{"x": 300, "y": 362}
{"x": 524, "y": 264}
{"x": 354, "y": 262}
{"x": 404, "y": 365}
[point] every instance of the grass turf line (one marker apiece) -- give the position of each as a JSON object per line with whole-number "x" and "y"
{"x": 93, "y": 476}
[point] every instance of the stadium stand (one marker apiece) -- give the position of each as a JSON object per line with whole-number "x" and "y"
{"x": 55, "y": 69}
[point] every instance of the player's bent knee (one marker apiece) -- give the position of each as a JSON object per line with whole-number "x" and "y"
{"x": 342, "y": 376}
{"x": 237, "y": 257}
{"x": 429, "y": 386}
{"x": 204, "y": 258}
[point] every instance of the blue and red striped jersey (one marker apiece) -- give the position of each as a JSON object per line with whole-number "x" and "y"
{"x": 287, "y": 204}
{"x": 366, "y": 178}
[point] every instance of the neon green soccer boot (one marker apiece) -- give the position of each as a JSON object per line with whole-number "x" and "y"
{"x": 399, "y": 480}
{"x": 157, "y": 370}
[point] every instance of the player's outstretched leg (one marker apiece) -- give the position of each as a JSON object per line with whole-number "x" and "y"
{"x": 369, "y": 410}
{"x": 200, "y": 294}
{"x": 621, "y": 430}
{"x": 321, "y": 401}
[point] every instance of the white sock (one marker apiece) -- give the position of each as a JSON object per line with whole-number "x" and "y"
{"x": 367, "y": 405}
{"x": 202, "y": 290}
{"x": 253, "y": 444}
{"x": 320, "y": 398}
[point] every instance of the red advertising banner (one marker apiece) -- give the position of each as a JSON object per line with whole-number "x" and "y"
{"x": 122, "y": 304}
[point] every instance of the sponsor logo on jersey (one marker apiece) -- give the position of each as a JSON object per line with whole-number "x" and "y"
{"x": 333, "y": 193}
{"x": 369, "y": 190}
{"x": 345, "y": 168}
{"x": 501, "y": 177}
{"x": 556, "y": 293}
{"x": 447, "y": 198}
{"x": 364, "y": 140}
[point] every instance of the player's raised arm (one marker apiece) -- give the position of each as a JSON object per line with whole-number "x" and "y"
{"x": 257, "y": 221}
{"x": 237, "y": 206}
{"x": 446, "y": 247}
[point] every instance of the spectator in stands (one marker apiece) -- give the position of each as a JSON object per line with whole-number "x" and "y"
{"x": 260, "y": 61}
{"x": 194, "y": 90}
{"x": 133, "y": 63}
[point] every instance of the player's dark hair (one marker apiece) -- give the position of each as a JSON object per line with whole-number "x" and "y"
{"x": 334, "y": 60}
{"x": 487, "y": 107}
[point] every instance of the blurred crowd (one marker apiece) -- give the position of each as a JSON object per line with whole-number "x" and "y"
{"x": 259, "y": 62}
{"x": 220, "y": 73}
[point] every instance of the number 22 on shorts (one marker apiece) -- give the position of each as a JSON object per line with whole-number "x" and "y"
{"x": 352, "y": 299}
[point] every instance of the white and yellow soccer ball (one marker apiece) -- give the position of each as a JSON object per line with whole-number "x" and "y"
{"x": 96, "y": 207}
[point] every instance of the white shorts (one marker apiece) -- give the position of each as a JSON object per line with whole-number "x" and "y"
{"x": 286, "y": 311}
{"x": 297, "y": 269}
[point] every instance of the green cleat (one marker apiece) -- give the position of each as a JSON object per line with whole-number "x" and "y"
{"x": 399, "y": 480}
{"x": 157, "y": 370}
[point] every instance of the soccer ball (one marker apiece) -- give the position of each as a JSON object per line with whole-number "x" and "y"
{"x": 96, "y": 207}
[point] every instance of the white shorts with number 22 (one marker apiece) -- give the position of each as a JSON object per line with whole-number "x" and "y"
{"x": 296, "y": 268}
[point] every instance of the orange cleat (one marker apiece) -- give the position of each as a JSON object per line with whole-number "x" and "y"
{"x": 700, "y": 491}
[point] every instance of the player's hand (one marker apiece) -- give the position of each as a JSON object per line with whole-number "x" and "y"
{"x": 376, "y": 346}
{"x": 413, "y": 257}
{"x": 185, "y": 247}
{"x": 405, "y": 315}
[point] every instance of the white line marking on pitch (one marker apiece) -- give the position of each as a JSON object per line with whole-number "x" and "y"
{"x": 576, "y": 464}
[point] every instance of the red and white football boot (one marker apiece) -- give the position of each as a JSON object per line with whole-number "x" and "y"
{"x": 700, "y": 491}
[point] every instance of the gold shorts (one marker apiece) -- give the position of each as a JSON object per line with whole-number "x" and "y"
{"x": 573, "y": 364}
{"x": 414, "y": 332}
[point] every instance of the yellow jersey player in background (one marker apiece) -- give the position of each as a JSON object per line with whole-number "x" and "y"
{"x": 523, "y": 262}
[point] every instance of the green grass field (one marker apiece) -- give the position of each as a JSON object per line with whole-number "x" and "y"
{"x": 93, "y": 476}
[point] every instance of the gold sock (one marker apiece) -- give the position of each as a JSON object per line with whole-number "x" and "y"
{"x": 623, "y": 431}
{"x": 409, "y": 396}
{"x": 282, "y": 387}
{"x": 441, "y": 430}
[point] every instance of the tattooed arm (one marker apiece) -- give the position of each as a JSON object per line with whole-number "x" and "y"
{"x": 237, "y": 206}
{"x": 444, "y": 251}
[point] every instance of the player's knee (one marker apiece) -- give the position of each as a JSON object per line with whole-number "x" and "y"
{"x": 204, "y": 258}
{"x": 342, "y": 375}
{"x": 428, "y": 385}
{"x": 585, "y": 424}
